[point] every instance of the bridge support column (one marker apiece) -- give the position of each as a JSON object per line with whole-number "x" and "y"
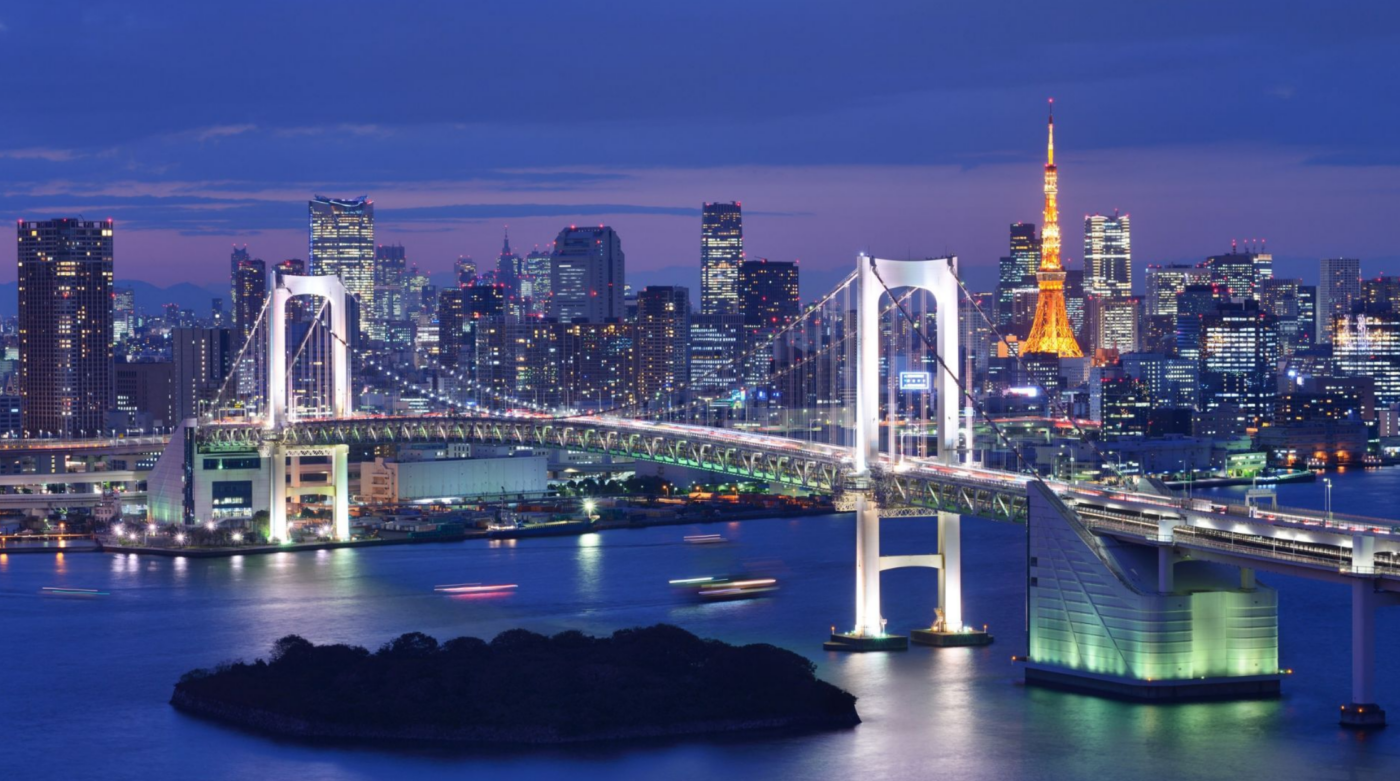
{"x": 1363, "y": 712}
{"x": 869, "y": 633}
{"x": 277, "y": 495}
{"x": 340, "y": 474}
{"x": 1166, "y": 574}
{"x": 948, "y": 629}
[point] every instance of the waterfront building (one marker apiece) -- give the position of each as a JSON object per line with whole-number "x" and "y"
{"x": 1367, "y": 344}
{"x": 65, "y": 325}
{"x": 663, "y": 335}
{"x": 1239, "y": 358}
{"x": 1338, "y": 288}
{"x": 1052, "y": 332}
{"x": 721, "y": 253}
{"x": 1108, "y": 256}
{"x": 587, "y": 275}
{"x": 342, "y": 243}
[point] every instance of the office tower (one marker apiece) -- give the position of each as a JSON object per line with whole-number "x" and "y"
{"x": 464, "y": 269}
{"x": 1279, "y": 297}
{"x": 342, "y": 243}
{"x": 1381, "y": 292}
{"x": 249, "y": 296}
{"x": 1124, "y": 403}
{"x": 1338, "y": 288}
{"x": 716, "y": 342}
{"x": 599, "y": 362}
{"x": 768, "y": 293}
{"x": 721, "y": 252}
{"x": 1016, "y": 272}
{"x": 1052, "y": 332}
{"x": 299, "y": 308}
{"x": 1367, "y": 344}
{"x": 1239, "y": 358}
{"x": 663, "y": 336}
{"x": 390, "y": 265}
{"x": 65, "y": 325}
{"x": 509, "y": 269}
{"x": 1240, "y": 272}
{"x": 587, "y": 275}
{"x": 1171, "y": 382}
{"x": 1108, "y": 255}
{"x": 203, "y": 359}
{"x": 238, "y": 255}
{"x": 535, "y": 285}
{"x": 452, "y": 317}
{"x": 1193, "y": 304}
{"x": 1165, "y": 283}
{"x": 1307, "y": 315}
{"x": 390, "y": 270}
{"x": 1115, "y": 321}
{"x": 974, "y": 334}
{"x": 123, "y": 313}
{"x": 145, "y": 392}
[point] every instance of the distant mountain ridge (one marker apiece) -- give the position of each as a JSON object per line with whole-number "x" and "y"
{"x": 149, "y": 298}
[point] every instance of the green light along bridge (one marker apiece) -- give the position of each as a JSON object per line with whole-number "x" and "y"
{"x": 1136, "y": 593}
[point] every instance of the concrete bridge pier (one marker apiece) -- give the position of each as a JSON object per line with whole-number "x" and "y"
{"x": 1363, "y": 712}
{"x": 948, "y": 630}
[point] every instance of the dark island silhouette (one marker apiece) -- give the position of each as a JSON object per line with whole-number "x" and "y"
{"x": 522, "y": 687}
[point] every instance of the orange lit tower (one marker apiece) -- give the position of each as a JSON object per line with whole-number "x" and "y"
{"x": 1052, "y": 332}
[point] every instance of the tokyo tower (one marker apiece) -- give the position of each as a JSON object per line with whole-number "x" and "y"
{"x": 1051, "y": 332}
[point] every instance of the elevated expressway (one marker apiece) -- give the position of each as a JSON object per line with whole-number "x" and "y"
{"x": 1292, "y": 541}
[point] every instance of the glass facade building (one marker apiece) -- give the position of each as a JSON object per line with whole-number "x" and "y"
{"x": 721, "y": 252}
{"x": 342, "y": 243}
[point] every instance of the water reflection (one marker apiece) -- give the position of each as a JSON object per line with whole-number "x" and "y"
{"x": 590, "y": 565}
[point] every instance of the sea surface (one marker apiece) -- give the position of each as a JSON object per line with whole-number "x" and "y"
{"x": 85, "y": 682}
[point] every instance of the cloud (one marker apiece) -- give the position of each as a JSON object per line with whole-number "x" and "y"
{"x": 224, "y": 131}
{"x": 40, "y": 153}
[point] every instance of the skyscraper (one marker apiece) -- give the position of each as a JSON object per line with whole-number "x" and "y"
{"x": 1052, "y": 332}
{"x": 1108, "y": 255}
{"x": 1165, "y": 283}
{"x": 65, "y": 325}
{"x": 768, "y": 293}
{"x": 508, "y": 272}
{"x": 1338, "y": 288}
{"x": 1016, "y": 272}
{"x": 342, "y": 243}
{"x": 1367, "y": 344}
{"x": 1239, "y": 359}
{"x": 1241, "y": 272}
{"x": 534, "y": 285}
{"x": 587, "y": 273}
{"x": 238, "y": 255}
{"x": 390, "y": 271}
{"x": 721, "y": 252}
{"x": 249, "y": 296}
{"x": 663, "y": 336}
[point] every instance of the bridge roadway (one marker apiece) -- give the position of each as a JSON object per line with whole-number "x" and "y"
{"x": 1292, "y": 541}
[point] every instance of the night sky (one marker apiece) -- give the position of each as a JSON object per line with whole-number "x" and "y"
{"x": 898, "y": 128}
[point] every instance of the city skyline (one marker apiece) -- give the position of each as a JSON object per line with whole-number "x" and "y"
{"x": 448, "y": 173}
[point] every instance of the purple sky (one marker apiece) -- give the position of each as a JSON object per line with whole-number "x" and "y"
{"x": 912, "y": 129}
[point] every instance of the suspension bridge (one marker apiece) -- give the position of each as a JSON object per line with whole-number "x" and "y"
{"x": 1133, "y": 590}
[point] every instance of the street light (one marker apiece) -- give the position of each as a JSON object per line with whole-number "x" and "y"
{"x": 1327, "y": 483}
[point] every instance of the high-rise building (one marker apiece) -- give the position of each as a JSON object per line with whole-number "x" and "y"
{"x": 1307, "y": 315}
{"x": 663, "y": 336}
{"x": 716, "y": 342}
{"x": 974, "y": 334}
{"x": 1338, "y": 288}
{"x": 1115, "y": 323}
{"x": 123, "y": 313}
{"x": 452, "y": 322}
{"x": 203, "y": 359}
{"x": 390, "y": 272}
{"x": 1193, "y": 304}
{"x": 238, "y": 255}
{"x": 509, "y": 270}
{"x": 1165, "y": 283}
{"x": 146, "y": 393}
{"x": 1052, "y": 331}
{"x": 721, "y": 252}
{"x": 1381, "y": 292}
{"x": 464, "y": 269}
{"x": 1239, "y": 359}
{"x": 534, "y": 285}
{"x": 342, "y": 243}
{"x": 1367, "y": 344}
{"x": 1108, "y": 255}
{"x": 768, "y": 293}
{"x": 587, "y": 275}
{"x": 390, "y": 264}
{"x": 1016, "y": 272}
{"x": 1171, "y": 382}
{"x": 249, "y": 296}
{"x": 65, "y": 325}
{"x": 1240, "y": 272}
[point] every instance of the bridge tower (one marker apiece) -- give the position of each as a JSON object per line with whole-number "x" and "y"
{"x": 938, "y": 276}
{"x": 281, "y": 406}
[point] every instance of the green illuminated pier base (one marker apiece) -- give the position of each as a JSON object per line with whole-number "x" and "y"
{"x": 965, "y": 639}
{"x": 1132, "y": 621}
{"x": 850, "y": 642}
